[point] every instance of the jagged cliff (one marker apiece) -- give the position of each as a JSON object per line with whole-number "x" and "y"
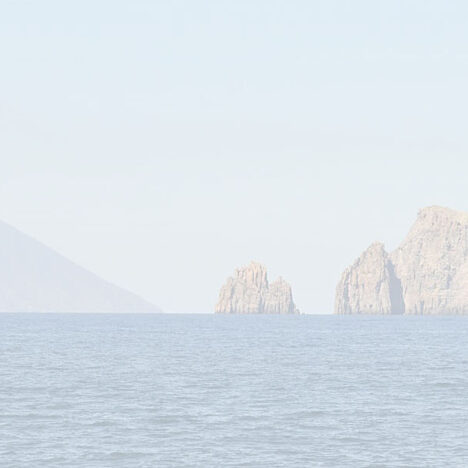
{"x": 426, "y": 274}
{"x": 249, "y": 292}
{"x": 369, "y": 285}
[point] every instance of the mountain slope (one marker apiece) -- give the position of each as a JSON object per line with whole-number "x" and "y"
{"x": 35, "y": 278}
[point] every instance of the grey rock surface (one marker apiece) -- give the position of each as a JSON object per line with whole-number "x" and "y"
{"x": 249, "y": 292}
{"x": 426, "y": 274}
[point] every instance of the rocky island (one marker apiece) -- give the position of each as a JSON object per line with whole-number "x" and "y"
{"x": 249, "y": 292}
{"x": 426, "y": 274}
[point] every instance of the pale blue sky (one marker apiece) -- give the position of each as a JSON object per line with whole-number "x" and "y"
{"x": 163, "y": 143}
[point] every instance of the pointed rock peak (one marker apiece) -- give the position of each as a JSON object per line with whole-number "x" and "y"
{"x": 252, "y": 266}
{"x": 376, "y": 248}
{"x": 255, "y": 273}
{"x": 367, "y": 287}
{"x": 375, "y": 252}
{"x": 280, "y": 280}
{"x": 255, "y": 264}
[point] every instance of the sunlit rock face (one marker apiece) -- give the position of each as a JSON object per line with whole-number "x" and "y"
{"x": 249, "y": 292}
{"x": 432, "y": 263}
{"x": 426, "y": 274}
{"x": 369, "y": 286}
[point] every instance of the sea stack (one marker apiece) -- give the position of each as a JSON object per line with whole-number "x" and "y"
{"x": 249, "y": 292}
{"x": 369, "y": 285}
{"x": 427, "y": 274}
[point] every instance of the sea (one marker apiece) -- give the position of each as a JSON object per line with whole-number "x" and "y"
{"x": 233, "y": 391}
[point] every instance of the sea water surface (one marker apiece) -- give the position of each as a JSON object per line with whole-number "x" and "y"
{"x": 233, "y": 391}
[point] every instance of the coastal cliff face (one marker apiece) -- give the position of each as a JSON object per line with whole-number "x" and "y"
{"x": 426, "y": 274}
{"x": 249, "y": 292}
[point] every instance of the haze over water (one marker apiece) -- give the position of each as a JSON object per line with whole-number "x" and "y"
{"x": 159, "y": 144}
{"x": 231, "y": 391}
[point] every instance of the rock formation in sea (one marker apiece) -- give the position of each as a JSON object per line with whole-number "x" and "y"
{"x": 249, "y": 292}
{"x": 34, "y": 278}
{"x": 426, "y": 274}
{"x": 369, "y": 285}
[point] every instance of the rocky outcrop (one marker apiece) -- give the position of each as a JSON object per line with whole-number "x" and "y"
{"x": 249, "y": 292}
{"x": 432, "y": 263}
{"x": 369, "y": 286}
{"x": 426, "y": 274}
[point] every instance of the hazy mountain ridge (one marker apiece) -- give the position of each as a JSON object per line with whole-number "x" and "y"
{"x": 426, "y": 274}
{"x": 249, "y": 292}
{"x": 35, "y": 278}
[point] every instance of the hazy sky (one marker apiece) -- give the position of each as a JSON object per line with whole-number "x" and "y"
{"x": 163, "y": 143}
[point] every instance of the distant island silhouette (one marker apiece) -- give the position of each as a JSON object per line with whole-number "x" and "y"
{"x": 35, "y": 278}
